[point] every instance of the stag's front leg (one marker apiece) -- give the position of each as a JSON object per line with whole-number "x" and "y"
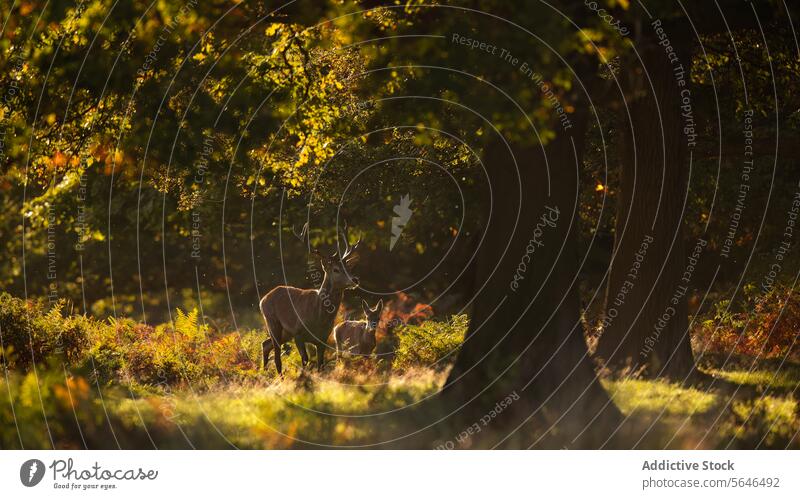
{"x": 320, "y": 356}
{"x": 277, "y": 347}
{"x": 301, "y": 347}
{"x": 266, "y": 348}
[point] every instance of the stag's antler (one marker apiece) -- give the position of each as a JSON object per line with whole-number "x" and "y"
{"x": 348, "y": 249}
{"x": 303, "y": 234}
{"x": 346, "y": 256}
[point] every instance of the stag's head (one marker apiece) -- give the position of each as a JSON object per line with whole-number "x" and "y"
{"x": 337, "y": 267}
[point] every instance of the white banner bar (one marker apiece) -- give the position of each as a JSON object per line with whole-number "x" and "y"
{"x": 400, "y": 474}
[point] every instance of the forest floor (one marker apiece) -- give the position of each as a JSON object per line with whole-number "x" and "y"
{"x": 345, "y": 408}
{"x": 119, "y": 383}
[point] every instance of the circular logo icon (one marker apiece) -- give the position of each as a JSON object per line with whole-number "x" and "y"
{"x": 31, "y": 472}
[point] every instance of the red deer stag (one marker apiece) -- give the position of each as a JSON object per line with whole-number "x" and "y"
{"x": 358, "y": 337}
{"x": 307, "y": 315}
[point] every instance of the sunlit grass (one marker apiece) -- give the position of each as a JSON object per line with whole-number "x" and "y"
{"x": 787, "y": 379}
{"x": 633, "y": 396}
{"x": 290, "y": 412}
{"x": 343, "y": 407}
{"x": 763, "y": 422}
{"x": 183, "y": 386}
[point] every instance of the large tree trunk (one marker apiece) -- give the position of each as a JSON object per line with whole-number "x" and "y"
{"x": 646, "y": 318}
{"x": 525, "y": 338}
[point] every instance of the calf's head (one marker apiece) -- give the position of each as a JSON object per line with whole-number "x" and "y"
{"x": 373, "y": 315}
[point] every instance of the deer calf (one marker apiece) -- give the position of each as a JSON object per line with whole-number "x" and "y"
{"x": 358, "y": 337}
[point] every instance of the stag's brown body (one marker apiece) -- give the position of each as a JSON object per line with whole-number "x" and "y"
{"x": 302, "y": 315}
{"x": 306, "y": 315}
{"x": 296, "y": 311}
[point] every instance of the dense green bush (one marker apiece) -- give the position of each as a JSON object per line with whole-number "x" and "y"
{"x": 764, "y": 325}
{"x": 30, "y": 332}
{"x": 184, "y": 351}
{"x": 430, "y": 344}
{"x": 123, "y": 350}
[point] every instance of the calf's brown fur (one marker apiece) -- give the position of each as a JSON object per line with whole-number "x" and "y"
{"x": 358, "y": 337}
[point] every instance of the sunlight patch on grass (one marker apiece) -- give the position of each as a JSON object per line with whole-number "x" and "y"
{"x": 288, "y": 412}
{"x": 778, "y": 379}
{"x": 634, "y": 395}
{"x": 764, "y": 422}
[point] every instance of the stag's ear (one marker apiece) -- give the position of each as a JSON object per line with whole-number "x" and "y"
{"x": 379, "y": 306}
{"x": 365, "y": 306}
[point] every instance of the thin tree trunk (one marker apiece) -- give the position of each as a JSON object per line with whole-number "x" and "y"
{"x": 646, "y": 318}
